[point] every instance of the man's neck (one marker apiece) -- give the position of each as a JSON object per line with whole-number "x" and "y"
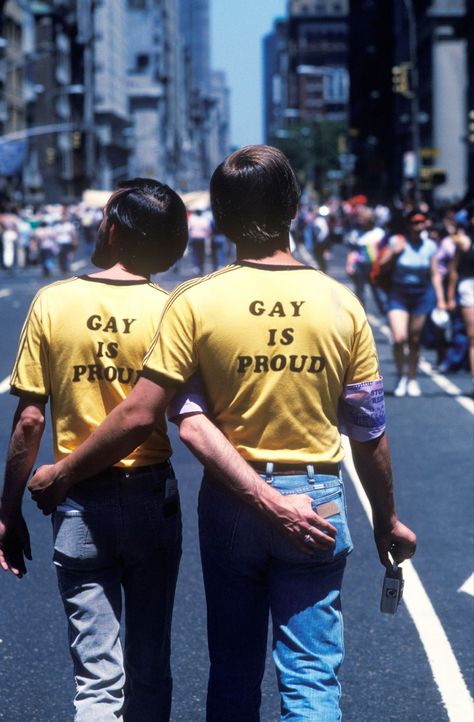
{"x": 278, "y": 258}
{"x": 117, "y": 272}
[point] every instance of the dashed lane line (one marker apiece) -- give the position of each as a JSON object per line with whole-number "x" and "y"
{"x": 445, "y": 384}
{"x": 444, "y": 666}
{"x": 468, "y": 586}
{"x": 5, "y": 292}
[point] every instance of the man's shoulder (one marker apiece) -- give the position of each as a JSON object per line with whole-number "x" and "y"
{"x": 339, "y": 293}
{"x": 52, "y": 290}
{"x": 204, "y": 284}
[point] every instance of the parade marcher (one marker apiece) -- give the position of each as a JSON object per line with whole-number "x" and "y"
{"x": 10, "y": 245}
{"x": 282, "y": 350}
{"x": 461, "y": 285}
{"x": 218, "y": 248}
{"x": 364, "y": 245}
{"x": 321, "y": 241}
{"x": 120, "y": 532}
{"x": 66, "y": 240}
{"x": 416, "y": 288}
{"x": 44, "y": 236}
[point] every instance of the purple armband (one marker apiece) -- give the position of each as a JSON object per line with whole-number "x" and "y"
{"x": 362, "y": 410}
{"x": 189, "y": 400}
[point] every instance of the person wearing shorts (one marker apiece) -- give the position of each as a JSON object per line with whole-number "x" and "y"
{"x": 416, "y": 288}
{"x": 461, "y": 283}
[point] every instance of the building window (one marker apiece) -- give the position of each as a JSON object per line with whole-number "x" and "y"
{"x": 142, "y": 62}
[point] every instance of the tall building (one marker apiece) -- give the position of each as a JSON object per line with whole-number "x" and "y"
{"x": 111, "y": 112}
{"x": 92, "y": 91}
{"x": 275, "y": 73}
{"x": 469, "y": 25}
{"x": 306, "y": 89}
{"x": 219, "y": 144}
{"x": 318, "y": 79}
{"x": 411, "y": 77}
{"x": 194, "y": 24}
{"x": 14, "y": 17}
{"x": 153, "y": 89}
{"x": 372, "y": 102}
{"x": 54, "y": 96}
{"x": 446, "y": 46}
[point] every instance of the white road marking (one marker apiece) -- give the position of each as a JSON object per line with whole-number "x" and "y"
{"x": 5, "y": 292}
{"x": 468, "y": 586}
{"x": 77, "y": 265}
{"x": 440, "y": 380}
{"x": 5, "y": 385}
{"x": 444, "y": 666}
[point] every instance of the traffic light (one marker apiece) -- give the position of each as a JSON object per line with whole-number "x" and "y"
{"x": 50, "y": 155}
{"x": 76, "y": 139}
{"x": 401, "y": 80}
{"x": 433, "y": 176}
{"x": 470, "y": 127}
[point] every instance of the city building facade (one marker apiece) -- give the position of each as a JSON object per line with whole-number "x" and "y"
{"x": 411, "y": 90}
{"x": 306, "y": 88}
{"x": 94, "y": 91}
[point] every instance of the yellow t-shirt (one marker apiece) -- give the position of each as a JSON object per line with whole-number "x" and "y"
{"x": 275, "y": 347}
{"x": 82, "y": 344}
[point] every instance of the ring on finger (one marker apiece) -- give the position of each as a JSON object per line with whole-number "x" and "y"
{"x": 307, "y": 538}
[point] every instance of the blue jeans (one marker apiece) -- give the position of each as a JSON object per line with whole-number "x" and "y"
{"x": 251, "y": 570}
{"x": 117, "y": 536}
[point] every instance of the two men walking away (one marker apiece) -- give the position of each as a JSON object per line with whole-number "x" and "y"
{"x": 285, "y": 354}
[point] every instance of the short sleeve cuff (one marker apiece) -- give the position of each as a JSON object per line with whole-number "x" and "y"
{"x": 22, "y": 393}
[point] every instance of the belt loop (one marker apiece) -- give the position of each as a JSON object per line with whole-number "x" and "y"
{"x": 310, "y": 470}
{"x": 269, "y": 472}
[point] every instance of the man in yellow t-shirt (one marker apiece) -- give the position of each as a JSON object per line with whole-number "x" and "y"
{"x": 287, "y": 360}
{"x": 119, "y": 532}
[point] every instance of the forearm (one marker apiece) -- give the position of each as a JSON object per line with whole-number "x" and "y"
{"x": 28, "y": 427}
{"x": 118, "y": 435}
{"x": 439, "y": 290}
{"x": 452, "y": 283}
{"x": 373, "y": 465}
{"x": 389, "y": 256}
{"x": 222, "y": 460}
{"x": 125, "y": 428}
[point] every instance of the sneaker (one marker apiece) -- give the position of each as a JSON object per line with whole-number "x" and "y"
{"x": 413, "y": 388}
{"x": 401, "y": 387}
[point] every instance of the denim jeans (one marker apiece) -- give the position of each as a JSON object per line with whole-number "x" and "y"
{"x": 251, "y": 570}
{"x": 118, "y": 537}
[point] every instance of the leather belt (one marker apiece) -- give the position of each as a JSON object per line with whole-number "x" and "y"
{"x": 131, "y": 472}
{"x": 280, "y": 469}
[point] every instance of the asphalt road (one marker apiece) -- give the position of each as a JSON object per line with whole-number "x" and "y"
{"x": 391, "y": 673}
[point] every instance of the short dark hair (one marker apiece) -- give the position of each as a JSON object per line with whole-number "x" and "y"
{"x": 254, "y": 197}
{"x": 150, "y": 222}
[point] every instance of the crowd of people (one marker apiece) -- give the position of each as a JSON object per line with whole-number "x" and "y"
{"x": 426, "y": 260}
{"x": 426, "y": 257}
{"x": 45, "y": 236}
